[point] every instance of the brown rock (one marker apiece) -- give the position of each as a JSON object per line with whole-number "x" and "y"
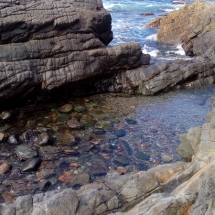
{"x": 66, "y": 177}
{"x": 122, "y": 170}
{"x": 4, "y": 168}
{"x": 73, "y": 165}
{"x": 73, "y": 123}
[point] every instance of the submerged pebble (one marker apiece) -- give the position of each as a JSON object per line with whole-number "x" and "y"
{"x": 31, "y": 165}
{"x": 24, "y": 152}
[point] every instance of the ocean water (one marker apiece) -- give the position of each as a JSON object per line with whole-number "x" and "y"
{"x": 128, "y": 25}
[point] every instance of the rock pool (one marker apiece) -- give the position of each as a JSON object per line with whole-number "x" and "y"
{"x": 49, "y": 146}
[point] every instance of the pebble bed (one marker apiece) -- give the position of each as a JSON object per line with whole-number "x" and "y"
{"x": 81, "y": 140}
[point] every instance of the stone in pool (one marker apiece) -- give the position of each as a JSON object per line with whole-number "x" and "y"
{"x": 65, "y": 108}
{"x": 120, "y": 161}
{"x": 80, "y": 108}
{"x": 131, "y": 121}
{"x": 43, "y": 139}
{"x": 88, "y": 122}
{"x": 120, "y": 133}
{"x": 13, "y": 139}
{"x": 31, "y": 165}
{"x": 99, "y": 131}
{"x": 73, "y": 123}
{"x": 3, "y": 137}
{"x": 24, "y": 152}
{"x": 80, "y": 179}
{"x": 142, "y": 156}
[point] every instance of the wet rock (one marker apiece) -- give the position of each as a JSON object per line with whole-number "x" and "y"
{"x": 131, "y": 121}
{"x": 3, "y": 137}
{"x": 76, "y": 115}
{"x": 120, "y": 133}
{"x": 73, "y": 123}
{"x": 80, "y": 179}
{"x": 80, "y": 108}
{"x": 44, "y": 173}
{"x": 43, "y": 139}
{"x": 13, "y": 139}
{"x": 73, "y": 165}
{"x": 65, "y": 137}
{"x": 98, "y": 168}
{"x": 15, "y": 174}
{"x": 122, "y": 170}
{"x": 106, "y": 147}
{"x": 66, "y": 177}
{"x": 4, "y": 128}
{"x": 29, "y": 136}
{"x": 112, "y": 137}
{"x": 31, "y": 165}
{"x": 120, "y": 161}
{"x": 49, "y": 152}
{"x": 24, "y": 152}
{"x": 166, "y": 158}
{"x": 63, "y": 117}
{"x": 99, "y": 132}
{"x": 147, "y": 14}
{"x": 66, "y": 108}
{"x": 5, "y": 115}
{"x": 125, "y": 147}
{"x": 46, "y": 121}
{"x": 142, "y": 156}
{"x": 88, "y": 122}
{"x": 4, "y": 168}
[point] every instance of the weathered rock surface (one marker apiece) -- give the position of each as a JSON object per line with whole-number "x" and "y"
{"x": 148, "y": 80}
{"x": 49, "y": 44}
{"x": 193, "y": 26}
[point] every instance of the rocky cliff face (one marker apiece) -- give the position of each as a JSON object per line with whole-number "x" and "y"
{"x": 193, "y": 25}
{"x": 48, "y": 44}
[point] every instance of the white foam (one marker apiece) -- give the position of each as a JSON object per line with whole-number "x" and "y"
{"x": 148, "y": 50}
{"x": 179, "y": 50}
{"x": 169, "y": 10}
{"x": 152, "y": 37}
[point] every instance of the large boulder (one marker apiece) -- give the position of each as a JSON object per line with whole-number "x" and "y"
{"x": 48, "y": 44}
{"x": 192, "y": 25}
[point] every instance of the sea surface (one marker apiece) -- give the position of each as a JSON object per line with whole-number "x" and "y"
{"x": 129, "y": 25}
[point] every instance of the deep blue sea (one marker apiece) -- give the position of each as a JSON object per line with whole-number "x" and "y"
{"x": 129, "y": 25}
